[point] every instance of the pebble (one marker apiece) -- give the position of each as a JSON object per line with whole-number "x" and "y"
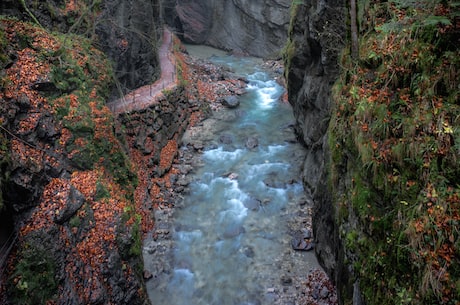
{"x": 324, "y": 292}
{"x": 286, "y": 280}
{"x": 147, "y": 275}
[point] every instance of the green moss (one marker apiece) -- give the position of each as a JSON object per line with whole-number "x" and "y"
{"x": 351, "y": 239}
{"x": 79, "y": 66}
{"x": 75, "y": 221}
{"x": 101, "y": 191}
{"x": 34, "y": 273}
{"x": 129, "y": 237}
{"x": 289, "y": 50}
{"x": 361, "y": 197}
{"x": 3, "y": 45}
{"x": 394, "y": 140}
{"x": 118, "y": 164}
{"x": 136, "y": 247}
{"x": 288, "y": 54}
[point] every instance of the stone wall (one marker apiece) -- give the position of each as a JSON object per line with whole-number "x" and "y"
{"x": 149, "y": 130}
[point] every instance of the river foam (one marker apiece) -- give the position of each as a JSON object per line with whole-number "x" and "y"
{"x": 231, "y": 238}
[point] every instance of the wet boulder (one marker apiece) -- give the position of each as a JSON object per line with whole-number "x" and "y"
{"x": 230, "y": 101}
{"x": 226, "y": 138}
{"x": 233, "y": 230}
{"x": 252, "y": 142}
{"x": 274, "y": 181}
{"x": 252, "y": 204}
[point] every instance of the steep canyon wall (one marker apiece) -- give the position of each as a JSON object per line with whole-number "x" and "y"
{"x": 65, "y": 175}
{"x": 382, "y": 135}
{"x": 127, "y": 31}
{"x": 316, "y": 38}
{"x": 257, "y": 27}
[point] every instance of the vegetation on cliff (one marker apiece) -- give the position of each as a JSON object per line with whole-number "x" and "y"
{"x": 395, "y": 145}
{"x": 82, "y": 240}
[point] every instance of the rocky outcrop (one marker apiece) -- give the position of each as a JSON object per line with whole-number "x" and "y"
{"x": 127, "y": 31}
{"x": 315, "y": 40}
{"x": 130, "y": 32}
{"x": 257, "y": 28}
{"x": 70, "y": 185}
{"x": 195, "y": 20}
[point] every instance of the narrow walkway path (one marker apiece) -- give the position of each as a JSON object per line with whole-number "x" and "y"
{"x": 150, "y": 94}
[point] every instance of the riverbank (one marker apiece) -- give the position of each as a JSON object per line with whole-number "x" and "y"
{"x": 289, "y": 284}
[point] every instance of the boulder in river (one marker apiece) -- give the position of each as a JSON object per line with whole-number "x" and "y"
{"x": 230, "y": 101}
{"x": 274, "y": 181}
{"x": 252, "y": 203}
{"x": 252, "y": 142}
{"x": 233, "y": 230}
{"x": 226, "y": 138}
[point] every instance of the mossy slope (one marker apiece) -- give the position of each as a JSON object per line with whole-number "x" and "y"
{"x": 395, "y": 144}
{"x": 79, "y": 239}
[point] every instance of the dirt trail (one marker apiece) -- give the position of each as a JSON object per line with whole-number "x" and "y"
{"x": 149, "y": 94}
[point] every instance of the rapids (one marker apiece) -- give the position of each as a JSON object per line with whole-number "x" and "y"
{"x": 231, "y": 240}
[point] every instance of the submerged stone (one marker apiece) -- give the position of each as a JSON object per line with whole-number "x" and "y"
{"x": 226, "y": 138}
{"x": 233, "y": 230}
{"x": 252, "y": 203}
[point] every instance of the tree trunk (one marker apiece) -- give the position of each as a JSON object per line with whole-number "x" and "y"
{"x": 354, "y": 30}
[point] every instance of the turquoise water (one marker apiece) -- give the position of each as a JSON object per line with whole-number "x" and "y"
{"x": 230, "y": 233}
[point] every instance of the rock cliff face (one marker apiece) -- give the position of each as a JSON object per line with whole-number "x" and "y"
{"x": 376, "y": 188}
{"x": 253, "y": 27}
{"x": 78, "y": 233}
{"x": 316, "y": 37}
{"x": 127, "y": 31}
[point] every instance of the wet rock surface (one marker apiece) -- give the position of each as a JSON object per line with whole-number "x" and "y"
{"x": 311, "y": 72}
{"x": 230, "y": 101}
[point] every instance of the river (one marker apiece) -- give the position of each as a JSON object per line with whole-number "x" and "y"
{"x": 231, "y": 239}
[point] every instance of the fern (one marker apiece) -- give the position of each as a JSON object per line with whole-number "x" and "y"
{"x": 435, "y": 20}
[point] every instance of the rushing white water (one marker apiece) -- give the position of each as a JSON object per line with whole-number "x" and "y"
{"x": 231, "y": 234}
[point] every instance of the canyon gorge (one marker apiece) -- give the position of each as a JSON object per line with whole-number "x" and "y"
{"x": 100, "y": 199}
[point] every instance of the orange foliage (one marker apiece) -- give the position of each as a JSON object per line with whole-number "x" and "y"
{"x": 27, "y": 155}
{"x": 24, "y": 72}
{"x": 86, "y": 250}
{"x": 168, "y": 153}
{"x": 54, "y": 199}
{"x": 140, "y": 194}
